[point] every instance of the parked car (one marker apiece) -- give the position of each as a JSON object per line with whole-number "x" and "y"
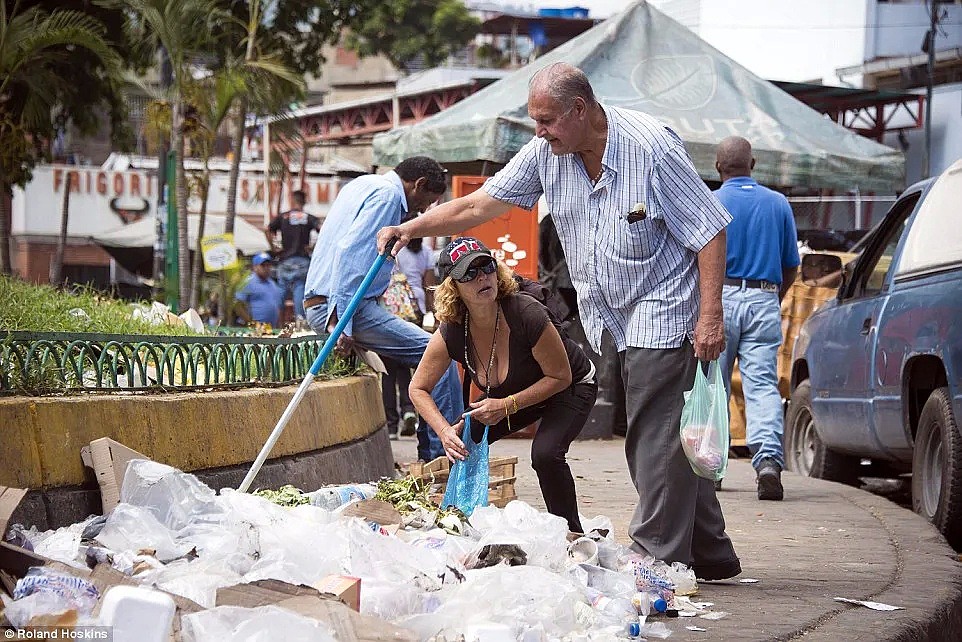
{"x": 877, "y": 372}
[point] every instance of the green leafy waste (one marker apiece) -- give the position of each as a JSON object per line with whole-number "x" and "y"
{"x": 286, "y": 495}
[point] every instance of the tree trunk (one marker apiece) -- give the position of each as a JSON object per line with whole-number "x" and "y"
{"x": 56, "y": 268}
{"x": 5, "y": 264}
{"x": 183, "y": 245}
{"x": 237, "y": 150}
{"x": 197, "y": 270}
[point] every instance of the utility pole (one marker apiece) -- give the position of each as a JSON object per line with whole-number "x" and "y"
{"x": 929, "y": 78}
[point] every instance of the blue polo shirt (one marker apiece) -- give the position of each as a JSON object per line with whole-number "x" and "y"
{"x": 762, "y": 240}
{"x": 264, "y": 299}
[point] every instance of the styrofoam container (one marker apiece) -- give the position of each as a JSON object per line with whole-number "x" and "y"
{"x": 137, "y": 614}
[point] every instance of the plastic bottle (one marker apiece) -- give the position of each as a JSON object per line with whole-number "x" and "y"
{"x": 648, "y": 603}
{"x": 609, "y": 582}
{"x": 331, "y": 497}
{"x": 611, "y": 610}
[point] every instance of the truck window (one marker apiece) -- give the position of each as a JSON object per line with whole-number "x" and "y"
{"x": 874, "y": 268}
{"x": 935, "y": 238}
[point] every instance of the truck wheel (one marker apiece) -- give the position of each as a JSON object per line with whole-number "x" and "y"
{"x": 804, "y": 451}
{"x": 937, "y": 467}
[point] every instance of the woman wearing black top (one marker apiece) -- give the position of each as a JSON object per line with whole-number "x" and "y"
{"x": 507, "y": 344}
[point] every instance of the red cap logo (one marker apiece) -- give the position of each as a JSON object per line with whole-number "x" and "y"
{"x": 462, "y": 248}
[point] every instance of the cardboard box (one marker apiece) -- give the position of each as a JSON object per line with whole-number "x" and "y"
{"x": 343, "y": 587}
{"x": 9, "y": 500}
{"x": 501, "y": 478}
{"x": 109, "y": 460}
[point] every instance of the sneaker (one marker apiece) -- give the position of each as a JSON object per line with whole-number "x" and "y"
{"x": 392, "y": 436}
{"x": 770, "y": 481}
{"x": 410, "y": 421}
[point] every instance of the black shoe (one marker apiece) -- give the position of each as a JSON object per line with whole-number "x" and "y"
{"x": 718, "y": 483}
{"x": 770, "y": 481}
{"x": 720, "y": 571}
{"x": 409, "y": 427}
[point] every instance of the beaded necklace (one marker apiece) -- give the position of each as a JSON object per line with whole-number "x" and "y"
{"x": 494, "y": 345}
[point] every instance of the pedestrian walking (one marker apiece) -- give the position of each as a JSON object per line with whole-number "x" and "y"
{"x": 645, "y": 243}
{"x": 762, "y": 259}
{"x": 260, "y": 299}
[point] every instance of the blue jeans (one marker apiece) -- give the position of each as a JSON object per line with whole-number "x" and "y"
{"x": 753, "y": 334}
{"x": 379, "y": 331}
{"x": 291, "y": 275}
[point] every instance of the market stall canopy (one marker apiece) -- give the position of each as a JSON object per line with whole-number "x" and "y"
{"x": 132, "y": 245}
{"x": 641, "y": 59}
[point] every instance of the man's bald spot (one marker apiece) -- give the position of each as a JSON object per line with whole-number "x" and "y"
{"x": 734, "y": 156}
{"x": 562, "y": 82}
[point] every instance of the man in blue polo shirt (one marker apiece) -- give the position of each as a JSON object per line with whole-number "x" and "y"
{"x": 762, "y": 258}
{"x": 261, "y": 297}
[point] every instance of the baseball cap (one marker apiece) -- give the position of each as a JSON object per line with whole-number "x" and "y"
{"x": 456, "y": 257}
{"x": 263, "y": 257}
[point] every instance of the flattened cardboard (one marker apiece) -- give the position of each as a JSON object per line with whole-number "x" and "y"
{"x": 262, "y": 593}
{"x": 348, "y": 626}
{"x": 9, "y": 500}
{"x": 109, "y": 460}
{"x": 373, "y": 510}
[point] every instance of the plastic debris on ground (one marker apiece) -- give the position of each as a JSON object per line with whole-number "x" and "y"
{"x": 875, "y": 606}
{"x": 504, "y": 574}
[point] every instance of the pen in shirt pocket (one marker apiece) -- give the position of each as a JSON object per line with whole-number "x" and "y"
{"x": 637, "y": 213}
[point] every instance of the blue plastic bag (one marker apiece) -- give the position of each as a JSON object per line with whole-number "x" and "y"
{"x": 704, "y": 424}
{"x": 468, "y": 482}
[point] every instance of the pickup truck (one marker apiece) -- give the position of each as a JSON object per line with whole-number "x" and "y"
{"x": 876, "y": 373}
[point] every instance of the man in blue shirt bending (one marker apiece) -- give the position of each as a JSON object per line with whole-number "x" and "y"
{"x": 345, "y": 251}
{"x": 762, "y": 258}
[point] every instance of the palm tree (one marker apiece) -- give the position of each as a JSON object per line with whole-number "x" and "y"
{"x": 32, "y": 44}
{"x": 211, "y": 101}
{"x": 183, "y": 28}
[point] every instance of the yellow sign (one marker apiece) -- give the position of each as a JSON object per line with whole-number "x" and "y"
{"x": 219, "y": 252}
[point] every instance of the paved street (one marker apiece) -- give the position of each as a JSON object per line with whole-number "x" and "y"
{"x": 825, "y": 540}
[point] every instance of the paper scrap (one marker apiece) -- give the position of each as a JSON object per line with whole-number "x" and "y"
{"x": 875, "y": 606}
{"x": 696, "y": 628}
{"x": 714, "y": 615}
{"x": 748, "y": 580}
{"x": 687, "y": 613}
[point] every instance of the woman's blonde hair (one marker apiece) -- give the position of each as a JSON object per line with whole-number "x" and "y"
{"x": 448, "y": 306}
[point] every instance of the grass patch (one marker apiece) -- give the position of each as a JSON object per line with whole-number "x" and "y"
{"x": 41, "y": 308}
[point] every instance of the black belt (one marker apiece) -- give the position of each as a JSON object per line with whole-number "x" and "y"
{"x": 312, "y": 301}
{"x": 753, "y": 284}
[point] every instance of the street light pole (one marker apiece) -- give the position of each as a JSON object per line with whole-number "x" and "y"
{"x": 929, "y": 78}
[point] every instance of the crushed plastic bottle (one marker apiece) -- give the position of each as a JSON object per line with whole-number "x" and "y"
{"x": 332, "y": 497}
{"x": 616, "y": 611}
{"x": 649, "y": 603}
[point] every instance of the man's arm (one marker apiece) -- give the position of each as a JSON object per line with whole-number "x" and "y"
{"x": 710, "y": 327}
{"x": 788, "y": 278}
{"x": 444, "y": 220}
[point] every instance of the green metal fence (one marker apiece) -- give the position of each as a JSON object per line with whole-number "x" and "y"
{"x": 54, "y": 362}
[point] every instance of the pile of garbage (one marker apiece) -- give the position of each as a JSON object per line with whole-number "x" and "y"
{"x": 502, "y": 574}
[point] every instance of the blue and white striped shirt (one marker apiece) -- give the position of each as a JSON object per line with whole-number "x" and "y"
{"x": 639, "y": 280}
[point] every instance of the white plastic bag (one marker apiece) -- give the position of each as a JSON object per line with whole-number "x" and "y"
{"x": 704, "y": 424}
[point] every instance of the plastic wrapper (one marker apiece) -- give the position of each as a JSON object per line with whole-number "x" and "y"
{"x": 175, "y": 498}
{"x": 333, "y": 497}
{"x": 261, "y": 624}
{"x": 132, "y": 528}
{"x": 197, "y": 580}
{"x": 45, "y": 592}
{"x": 704, "y": 424}
{"x": 523, "y": 597}
{"x": 542, "y": 536}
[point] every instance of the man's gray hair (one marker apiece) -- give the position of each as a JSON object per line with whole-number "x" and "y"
{"x": 563, "y": 83}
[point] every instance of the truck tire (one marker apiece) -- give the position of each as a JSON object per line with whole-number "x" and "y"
{"x": 804, "y": 451}
{"x": 937, "y": 467}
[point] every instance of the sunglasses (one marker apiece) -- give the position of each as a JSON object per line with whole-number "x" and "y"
{"x": 489, "y": 267}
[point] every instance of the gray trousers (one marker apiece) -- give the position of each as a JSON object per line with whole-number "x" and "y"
{"x": 678, "y": 518}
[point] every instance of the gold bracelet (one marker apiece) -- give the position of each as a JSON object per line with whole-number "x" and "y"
{"x": 514, "y": 401}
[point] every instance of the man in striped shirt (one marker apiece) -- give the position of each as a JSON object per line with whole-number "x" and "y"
{"x": 645, "y": 243}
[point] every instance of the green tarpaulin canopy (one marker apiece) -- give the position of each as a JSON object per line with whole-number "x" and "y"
{"x": 641, "y": 59}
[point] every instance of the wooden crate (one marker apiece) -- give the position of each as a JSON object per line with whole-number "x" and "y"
{"x": 500, "y": 484}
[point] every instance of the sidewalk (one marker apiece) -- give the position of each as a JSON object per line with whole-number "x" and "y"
{"x": 825, "y": 540}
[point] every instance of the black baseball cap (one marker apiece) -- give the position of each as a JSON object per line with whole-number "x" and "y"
{"x": 457, "y": 256}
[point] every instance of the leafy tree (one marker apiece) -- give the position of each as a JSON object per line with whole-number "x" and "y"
{"x": 183, "y": 28}
{"x": 36, "y": 95}
{"x": 403, "y": 30}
